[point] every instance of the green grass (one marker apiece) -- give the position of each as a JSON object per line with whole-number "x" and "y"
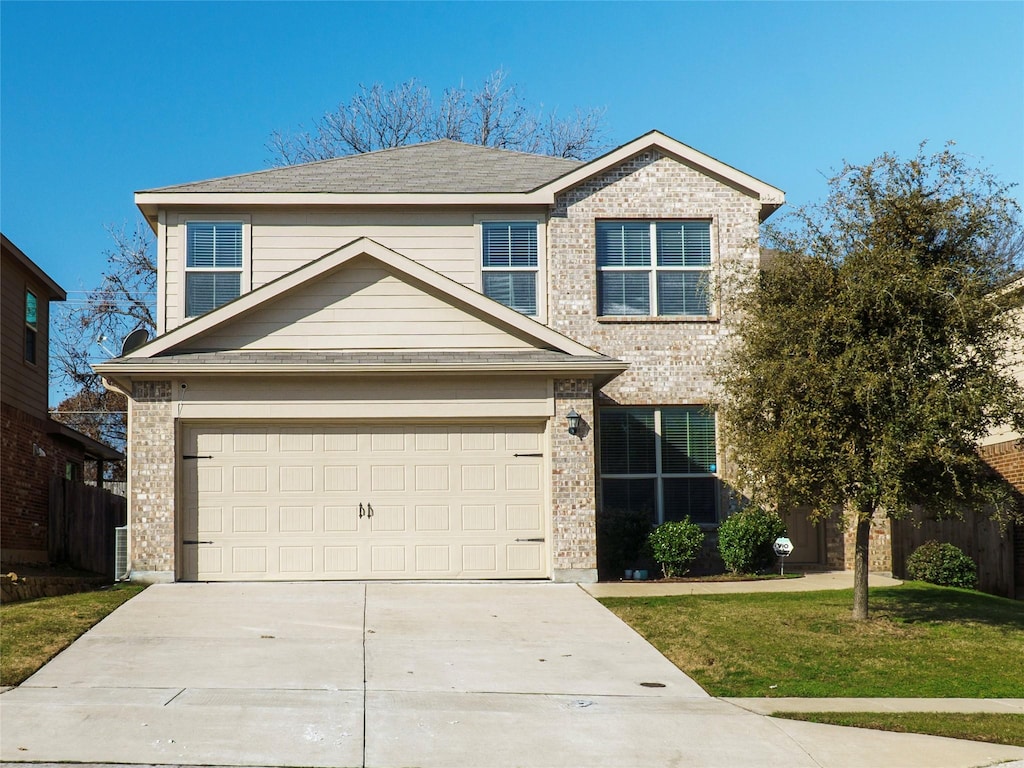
{"x": 995, "y": 728}
{"x": 34, "y": 631}
{"x": 921, "y": 641}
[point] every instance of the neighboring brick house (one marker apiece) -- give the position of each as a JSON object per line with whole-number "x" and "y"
{"x": 34, "y": 447}
{"x": 998, "y": 551}
{"x": 1003, "y": 448}
{"x": 368, "y": 367}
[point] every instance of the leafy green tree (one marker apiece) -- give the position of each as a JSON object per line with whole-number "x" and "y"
{"x": 867, "y": 362}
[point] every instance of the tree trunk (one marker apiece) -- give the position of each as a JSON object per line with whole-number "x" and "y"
{"x": 860, "y": 565}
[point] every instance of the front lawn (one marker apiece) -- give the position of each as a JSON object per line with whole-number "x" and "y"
{"x": 921, "y": 641}
{"x": 995, "y": 728}
{"x": 34, "y": 631}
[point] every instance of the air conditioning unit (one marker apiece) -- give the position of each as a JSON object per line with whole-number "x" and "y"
{"x": 121, "y": 553}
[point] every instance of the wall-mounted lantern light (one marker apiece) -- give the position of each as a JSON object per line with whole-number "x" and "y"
{"x": 574, "y": 421}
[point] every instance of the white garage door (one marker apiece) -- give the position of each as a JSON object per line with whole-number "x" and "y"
{"x": 358, "y": 502}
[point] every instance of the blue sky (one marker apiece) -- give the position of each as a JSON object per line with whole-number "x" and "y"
{"x": 102, "y": 99}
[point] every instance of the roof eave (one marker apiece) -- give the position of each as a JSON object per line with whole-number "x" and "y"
{"x": 116, "y": 369}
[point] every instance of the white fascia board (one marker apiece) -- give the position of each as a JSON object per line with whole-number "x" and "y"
{"x": 448, "y": 288}
{"x": 172, "y": 368}
{"x": 766, "y": 193}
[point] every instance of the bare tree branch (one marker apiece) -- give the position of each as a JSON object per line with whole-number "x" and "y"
{"x": 493, "y": 115}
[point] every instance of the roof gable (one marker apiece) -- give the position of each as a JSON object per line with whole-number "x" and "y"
{"x": 378, "y": 283}
{"x": 771, "y": 198}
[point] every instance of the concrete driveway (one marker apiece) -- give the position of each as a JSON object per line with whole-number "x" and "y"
{"x": 353, "y": 674}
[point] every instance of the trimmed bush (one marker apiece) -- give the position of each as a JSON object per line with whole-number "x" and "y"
{"x": 942, "y": 564}
{"x": 745, "y": 540}
{"x": 675, "y": 545}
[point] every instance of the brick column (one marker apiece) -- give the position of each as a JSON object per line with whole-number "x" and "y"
{"x": 151, "y": 464}
{"x": 573, "y": 498}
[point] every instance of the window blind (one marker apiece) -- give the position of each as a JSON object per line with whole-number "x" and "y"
{"x": 682, "y": 293}
{"x": 687, "y": 440}
{"x": 628, "y": 441}
{"x": 623, "y": 243}
{"x": 205, "y": 291}
{"x": 214, "y": 244}
{"x": 510, "y": 244}
{"x": 684, "y": 243}
{"x": 517, "y": 290}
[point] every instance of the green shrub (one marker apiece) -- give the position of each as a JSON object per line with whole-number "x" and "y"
{"x": 675, "y": 545}
{"x": 942, "y": 564}
{"x": 745, "y": 540}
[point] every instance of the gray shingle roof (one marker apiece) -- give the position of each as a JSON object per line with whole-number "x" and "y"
{"x": 436, "y": 167}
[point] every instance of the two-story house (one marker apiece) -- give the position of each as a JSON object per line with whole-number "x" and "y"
{"x": 34, "y": 448}
{"x": 435, "y": 361}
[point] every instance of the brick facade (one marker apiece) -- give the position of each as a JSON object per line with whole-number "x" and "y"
{"x": 670, "y": 361}
{"x": 573, "y": 525}
{"x": 24, "y": 492}
{"x": 151, "y": 481}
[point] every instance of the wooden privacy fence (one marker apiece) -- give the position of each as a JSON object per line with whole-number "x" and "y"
{"x": 82, "y": 522}
{"x": 977, "y": 535}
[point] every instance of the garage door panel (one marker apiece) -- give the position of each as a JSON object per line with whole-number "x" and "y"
{"x": 296, "y": 520}
{"x": 341, "y": 519}
{"x": 385, "y": 477}
{"x": 283, "y": 502}
{"x": 479, "y": 517}
{"x": 436, "y": 517}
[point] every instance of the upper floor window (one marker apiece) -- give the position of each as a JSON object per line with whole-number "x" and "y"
{"x": 31, "y": 326}
{"x": 660, "y": 462}
{"x": 653, "y": 268}
{"x": 510, "y": 264}
{"x": 213, "y": 265}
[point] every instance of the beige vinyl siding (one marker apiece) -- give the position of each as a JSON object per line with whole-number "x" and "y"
{"x": 406, "y": 398}
{"x": 174, "y": 274}
{"x": 24, "y": 385}
{"x": 445, "y": 241}
{"x": 361, "y": 306}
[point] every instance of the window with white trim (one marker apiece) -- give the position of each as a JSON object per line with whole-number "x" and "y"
{"x": 653, "y": 268}
{"x": 213, "y": 265}
{"x": 661, "y": 462}
{"x": 509, "y": 264}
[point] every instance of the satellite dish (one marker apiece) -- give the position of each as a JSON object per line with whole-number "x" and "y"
{"x": 134, "y": 340}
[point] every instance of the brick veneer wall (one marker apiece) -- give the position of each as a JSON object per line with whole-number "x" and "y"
{"x": 25, "y": 489}
{"x": 1007, "y": 459}
{"x": 670, "y": 361}
{"x": 573, "y": 512}
{"x": 151, "y": 481}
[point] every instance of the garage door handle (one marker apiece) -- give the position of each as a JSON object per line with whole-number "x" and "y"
{"x": 361, "y": 511}
{"x": 528, "y": 455}
{"x": 196, "y": 457}
{"x": 193, "y": 541}
{"x": 540, "y": 539}
{"x": 369, "y": 510}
